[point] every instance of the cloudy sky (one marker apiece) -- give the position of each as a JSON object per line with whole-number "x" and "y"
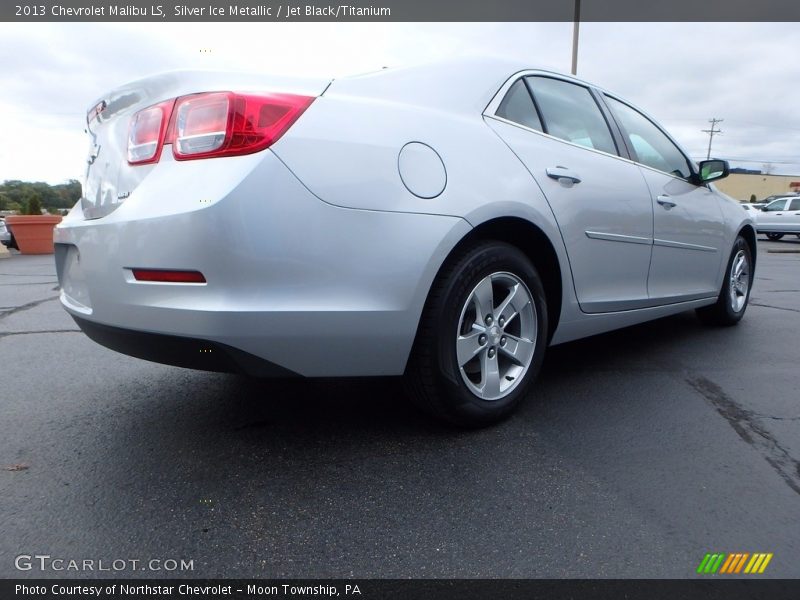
{"x": 682, "y": 74}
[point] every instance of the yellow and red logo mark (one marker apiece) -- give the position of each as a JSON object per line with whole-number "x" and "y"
{"x": 735, "y": 563}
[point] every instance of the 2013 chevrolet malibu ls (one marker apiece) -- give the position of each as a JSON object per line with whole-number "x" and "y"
{"x": 447, "y": 221}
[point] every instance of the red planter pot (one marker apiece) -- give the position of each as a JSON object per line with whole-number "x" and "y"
{"x": 33, "y": 233}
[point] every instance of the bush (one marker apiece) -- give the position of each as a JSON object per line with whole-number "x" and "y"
{"x": 753, "y": 198}
{"x": 33, "y": 207}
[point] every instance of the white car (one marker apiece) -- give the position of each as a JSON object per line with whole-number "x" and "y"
{"x": 448, "y": 221}
{"x": 779, "y": 217}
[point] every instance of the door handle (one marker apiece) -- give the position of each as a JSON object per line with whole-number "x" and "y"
{"x": 665, "y": 202}
{"x": 560, "y": 173}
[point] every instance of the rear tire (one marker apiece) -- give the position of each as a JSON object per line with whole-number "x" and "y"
{"x": 481, "y": 338}
{"x": 735, "y": 293}
{"x": 774, "y": 236}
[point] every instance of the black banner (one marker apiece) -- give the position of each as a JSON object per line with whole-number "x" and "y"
{"x": 370, "y": 589}
{"x": 399, "y": 10}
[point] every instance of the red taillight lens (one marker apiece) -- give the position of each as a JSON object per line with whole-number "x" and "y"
{"x": 212, "y": 124}
{"x": 168, "y": 276}
{"x": 146, "y": 133}
{"x": 228, "y": 124}
{"x": 201, "y": 125}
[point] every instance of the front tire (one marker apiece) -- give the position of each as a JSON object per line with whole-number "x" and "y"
{"x": 735, "y": 293}
{"x": 482, "y": 336}
{"x": 774, "y": 237}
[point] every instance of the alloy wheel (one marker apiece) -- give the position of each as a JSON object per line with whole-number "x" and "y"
{"x": 739, "y": 281}
{"x": 496, "y": 336}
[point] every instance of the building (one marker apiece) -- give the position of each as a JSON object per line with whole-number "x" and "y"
{"x": 744, "y": 183}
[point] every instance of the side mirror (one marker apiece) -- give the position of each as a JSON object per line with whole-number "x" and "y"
{"x": 711, "y": 170}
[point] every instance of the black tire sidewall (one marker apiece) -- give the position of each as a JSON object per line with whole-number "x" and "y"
{"x": 725, "y": 296}
{"x": 471, "y": 269}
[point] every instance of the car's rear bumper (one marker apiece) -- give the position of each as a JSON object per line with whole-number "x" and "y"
{"x": 191, "y": 353}
{"x": 315, "y": 289}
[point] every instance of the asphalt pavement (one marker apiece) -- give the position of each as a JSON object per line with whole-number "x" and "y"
{"x": 638, "y": 452}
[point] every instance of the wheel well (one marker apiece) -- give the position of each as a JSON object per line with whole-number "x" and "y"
{"x": 749, "y": 235}
{"x": 537, "y": 247}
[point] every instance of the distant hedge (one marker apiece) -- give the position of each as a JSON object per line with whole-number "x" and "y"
{"x": 15, "y": 194}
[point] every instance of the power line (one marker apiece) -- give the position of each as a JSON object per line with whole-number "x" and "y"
{"x": 711, "y": 132}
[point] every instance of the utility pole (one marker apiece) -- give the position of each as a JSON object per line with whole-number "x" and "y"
{"x": 575, "y": 27}
{"x": 711, "y": 132}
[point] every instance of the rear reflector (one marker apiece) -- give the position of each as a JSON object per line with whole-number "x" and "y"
{"x": 168, "y": 276}
{"x": 146, "y": 133}
{"x": 213, "y": 124}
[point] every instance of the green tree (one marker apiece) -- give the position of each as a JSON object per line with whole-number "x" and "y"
{"x": 752, "y": 198}
{"x": 51, "y": 197}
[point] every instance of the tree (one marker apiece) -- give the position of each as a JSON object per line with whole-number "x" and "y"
{"x": 51, "y": 197}
{"x": 753, "y": 198}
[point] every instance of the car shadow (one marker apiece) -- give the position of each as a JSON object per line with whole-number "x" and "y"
{"x": 284, "y": 411}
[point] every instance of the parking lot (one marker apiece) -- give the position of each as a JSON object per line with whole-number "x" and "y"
{"x": 639, "y": 451}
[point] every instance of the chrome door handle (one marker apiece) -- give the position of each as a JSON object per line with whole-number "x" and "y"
{"x": 560, "y": 173}
{"x": 665, "y": 202}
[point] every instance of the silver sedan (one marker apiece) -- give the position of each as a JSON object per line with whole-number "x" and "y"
{"x": 447, "y": 222}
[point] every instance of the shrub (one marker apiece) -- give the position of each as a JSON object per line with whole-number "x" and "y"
{"x": 33, "y": 206}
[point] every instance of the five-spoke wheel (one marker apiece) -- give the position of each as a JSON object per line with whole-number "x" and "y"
{"x": 482, "y": 336}
{"x": 735, "y": 293}
{"x": 496, "y": 335}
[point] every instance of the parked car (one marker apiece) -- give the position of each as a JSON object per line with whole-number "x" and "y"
{"x": 769, "y": 199}
{"x": 5, "y": 234}
{"x": 448, "y": 221}
{"x": 779, "y": 217}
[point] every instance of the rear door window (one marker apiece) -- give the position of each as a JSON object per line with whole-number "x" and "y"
{"x": 570, "y": 112}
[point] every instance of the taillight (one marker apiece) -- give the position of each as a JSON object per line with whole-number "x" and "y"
{"x": 213, "y": 124}
{"x": 201, "y": 125}
{"x": 146, "y": 133}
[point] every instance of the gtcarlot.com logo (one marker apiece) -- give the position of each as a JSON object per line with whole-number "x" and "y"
{"x": 46, "y": 562}
{"x": 735, "y": 563}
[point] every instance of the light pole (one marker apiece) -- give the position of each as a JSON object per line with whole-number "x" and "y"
{"x": 575, "y": 27}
